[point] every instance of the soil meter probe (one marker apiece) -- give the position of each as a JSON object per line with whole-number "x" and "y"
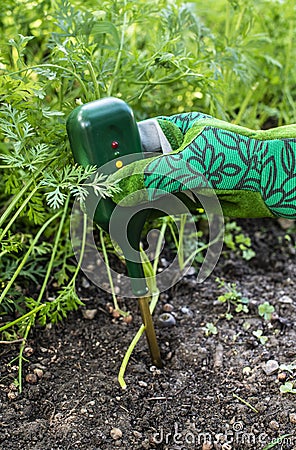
{"x": 104, "y": 133}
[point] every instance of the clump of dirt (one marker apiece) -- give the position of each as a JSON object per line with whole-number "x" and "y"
{"x": 216, "y": 391}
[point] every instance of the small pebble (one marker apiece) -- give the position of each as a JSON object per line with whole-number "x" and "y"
{"x": 285, "y": 224}
{"x": 167, "y": 307}
{"x": 186, "y": 311}
{"x": 282, "y": 376}
{"x": 247, "y": 370}
{"x": 116, "y": 433}
{"x": 143, "y": 383}
{"x": 28, "y": 351}
{"x": 85, "y": 283}
{"x": 207, "y": 446}
{"x": 12, "y": 395}
{"x": 146, "y": 444}
{"x": 128, "y": 319}
{"x": 271, "y": 367}
{"x": 166, "y": 320}
{"x": 89, "y": 314}
{"x": 31, "y": 378}
{"x": 274, "y": 425}
{"x": 218, "y": 357}
{"x": 285, "y": 299}
{"x": 115, "y": 314}
{"x": 292, "y": 418}
{"x": 38, "y": 372}
{"x": 191, "y": 271}
{"x": 137, "y": 434}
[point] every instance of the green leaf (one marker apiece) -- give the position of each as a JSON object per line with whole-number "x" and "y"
{"x": 105, "y": 27}
{"x": 266, "y": 310}
{"x": 288, "y": 388}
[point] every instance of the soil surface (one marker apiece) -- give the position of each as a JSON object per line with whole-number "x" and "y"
{"x": 216, "y": 391}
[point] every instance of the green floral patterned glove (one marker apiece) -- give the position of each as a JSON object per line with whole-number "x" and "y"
{"x": 253, "y": 173}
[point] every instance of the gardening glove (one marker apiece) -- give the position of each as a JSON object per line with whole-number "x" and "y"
{"x": 253, "y": 173}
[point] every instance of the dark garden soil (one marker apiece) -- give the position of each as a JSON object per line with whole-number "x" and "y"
{"x": 216, "y": 391}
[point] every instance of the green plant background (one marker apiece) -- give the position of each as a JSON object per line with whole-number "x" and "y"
{"x": 232, "y": 59}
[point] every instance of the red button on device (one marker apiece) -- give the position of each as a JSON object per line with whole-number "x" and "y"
{"x": 114, "y": 144}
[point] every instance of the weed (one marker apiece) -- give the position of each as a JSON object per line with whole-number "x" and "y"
{"x": 260, "y": 336}
{"x": 288, "y": 388}
{"x": 236, "y": 241}
{"x": 232, "y": 298}
{"x": 210, "y": 329}
{"x": 266, "y": 310}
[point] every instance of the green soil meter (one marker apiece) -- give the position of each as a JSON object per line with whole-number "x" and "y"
{"x": 105, "y": 133}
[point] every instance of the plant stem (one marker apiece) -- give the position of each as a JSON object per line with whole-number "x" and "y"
{"x": 43, "y": 287}
{"x": 120, "y": 51}
{"x": 20, "y": 209}
{"x": 180, "y": 248}
{"x": 54, "y": 250}
{"x": 56, "y": 66}
{"x": 20, "y": 319}
{"x": 19, "y": 195}
{"x": 83, "y": 243}
{"x": 20, "y": 357}
{"x": 158, "y": 246}
{"x": 94, "y": 80}
{"x": 14, "y": 201}
{"x": 21, "y": 265}
{"x": 204, "y": 247}
{"x": 245, "y": 103}
{"x": 15, "y": 341}
{"x": 246, "y": 403}
{"x": 105, "y": 254}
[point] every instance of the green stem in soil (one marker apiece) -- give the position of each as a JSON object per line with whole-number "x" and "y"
{"x": 277, "y": 441}
{"x": 158, "y": 246}
{"x": 54, "y": 250}
{"x": 30, "y": 249}
{"x": 83, "y": 243}
{"x": 22, "y": 318}
{"x": 44, "y": 284}
{"x": 20, "y": 356}
{"x": 246, "y": 403}
{"x": 39, "y": 307}
{"x": 105, "y": 254}
{"x": 180, "y": 249}
{"x": 204, "y": 247}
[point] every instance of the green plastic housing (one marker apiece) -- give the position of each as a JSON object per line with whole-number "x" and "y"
{"x": 100, "y": 133}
